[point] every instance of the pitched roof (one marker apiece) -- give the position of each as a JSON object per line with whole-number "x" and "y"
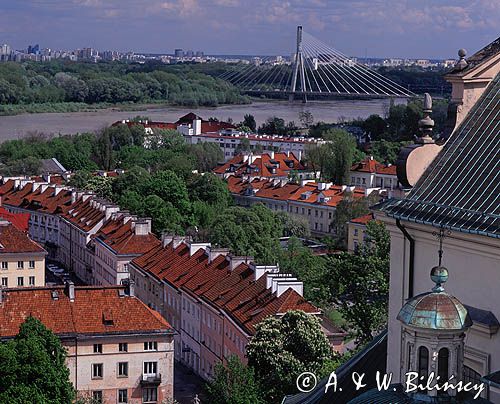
{"x": 84, "y": 215}
{"x": 478, "y": 58}
{"x": 460, "y": 189}
{"x": 52, "y": 166}
{"x": 13, "y": 240}
{"x": 85, "y": 315}
{"x": 246, "y": 300}
{"x": 122, "y": 238}
{"x": 370, "y": 165}
{"x": 19, "y": 220}
{"x": 45, "y": 199}
{"x": 264, "y": 165}
{"x": 363, "y": 219}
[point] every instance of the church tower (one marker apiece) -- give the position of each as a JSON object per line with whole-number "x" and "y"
{"x": 434, "y": 325}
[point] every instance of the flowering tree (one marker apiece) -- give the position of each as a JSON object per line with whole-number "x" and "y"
{"x": 283, "y": 348}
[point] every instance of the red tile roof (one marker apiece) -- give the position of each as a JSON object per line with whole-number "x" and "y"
{"x": 262, "y": 165}
{"x": 236, "y": 292}
{"x": 44, "y": 199}
{"x": 363, "y": 219}
{"x": 84, "y": 215}
{"x": 123, "y": 240}
{"x": 13, "y": 240}
{"x": 309, "y": 193}
{"x": 19, "y": 220}
{"x": 369, "y": 165}
{"x": 85, "y": 315}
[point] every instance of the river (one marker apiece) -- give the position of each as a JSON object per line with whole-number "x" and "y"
{"x": 12, "y": 127}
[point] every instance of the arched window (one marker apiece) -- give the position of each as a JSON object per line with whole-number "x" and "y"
{"x": 443, "y": 357}
{"x": 423, "y": 361}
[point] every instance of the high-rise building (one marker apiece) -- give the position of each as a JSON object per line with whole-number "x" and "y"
{"x": 179, "y": 53}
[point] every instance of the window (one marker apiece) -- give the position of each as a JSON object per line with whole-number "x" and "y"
{"x": 151, "y": 346}
{"x": 355, "y": 232}
{"x": 97, "y": 348}
{"x": 423, "y": 361}
{"x": 97, "y": 396}
{"x": 443, "y": 356}
{"x": 149, "y": 395}
{"x": 122, "y": 396}
{"x": 5, "y": 282}
{"x": 122, "y": 369}
{"x": 5, "y": 265}
{"x": 97, "y": 371}
{"x": 123, "y": 347}
{"x": 150, "y": 368}
{"x": 32, "y": 264}
{"x": 20, "y": 264}
{"x": 32, "y": 281}
{"x": 20, "y": 281}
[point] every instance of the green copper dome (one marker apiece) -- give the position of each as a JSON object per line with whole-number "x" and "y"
{"x": 435, "y": 310}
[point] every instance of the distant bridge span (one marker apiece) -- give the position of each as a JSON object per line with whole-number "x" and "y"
{"x": 316, "y": 70}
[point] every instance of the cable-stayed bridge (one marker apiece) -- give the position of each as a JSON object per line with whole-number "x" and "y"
{"x": 316, "y": 70}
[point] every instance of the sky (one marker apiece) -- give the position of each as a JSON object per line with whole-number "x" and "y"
{"x": 375, "y": 28}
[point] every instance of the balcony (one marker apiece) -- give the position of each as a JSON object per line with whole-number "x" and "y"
{"x": 150, "y": 379}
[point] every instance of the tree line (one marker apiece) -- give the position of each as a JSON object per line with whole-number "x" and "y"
{"x": 110, "y": 82}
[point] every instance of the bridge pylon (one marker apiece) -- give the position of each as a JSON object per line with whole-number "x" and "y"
{"x": 298, "y": 69}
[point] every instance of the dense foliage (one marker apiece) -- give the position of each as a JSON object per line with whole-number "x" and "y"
{"x": 110, "y": 82}
{"x": 33, "y": 368}
{"x": 360, "y": 281}
{"x": 283, "y": 348}
{"x": 233, "y": 383}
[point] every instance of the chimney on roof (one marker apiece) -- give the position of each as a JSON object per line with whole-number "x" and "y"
{"x": 142, "y": 227}
{"x": 323, "y": 186}
{"x": 260, "y": 270}
{"x": 73, "y": 197}
{"x": 197, "y": 126}
{"x": 35, "y": 186}
{"x": 70, "y": 290}
{"x": 214, "y": 252}
{"x": 110, "y": 209}
{"x": 193, "y": 247}
{"x": 285, "y": 284}
{"x": 166, "y": 239}
{"x": 235, "y": 261}
{"x": 130, "y": 289}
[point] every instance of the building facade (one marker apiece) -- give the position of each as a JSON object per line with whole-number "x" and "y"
{"x": 22, "y": 261}
{"x": 119, "y": 350}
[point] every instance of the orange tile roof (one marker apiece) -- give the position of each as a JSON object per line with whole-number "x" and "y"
{"x": 370, "y": 165}
{"x": 85, "y": 315}
{"x": 262, "y": 166}
{"x": 123, "y": 240}
{"x": 308, "y": 193}
{"x": 13, "y": 240}
{"x": 363, "y": 219}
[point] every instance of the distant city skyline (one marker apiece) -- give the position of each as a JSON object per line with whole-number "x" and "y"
{"x": 373, "y": 28}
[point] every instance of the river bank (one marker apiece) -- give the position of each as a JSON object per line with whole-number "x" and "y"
{"x": 17, "y": 126}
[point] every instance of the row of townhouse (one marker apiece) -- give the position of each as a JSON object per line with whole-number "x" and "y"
{"x": 313, "y": 202}
{"x": 211, "y": 298}
{"x": 214, "y": 299}
{"x": 88, "y": 235}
